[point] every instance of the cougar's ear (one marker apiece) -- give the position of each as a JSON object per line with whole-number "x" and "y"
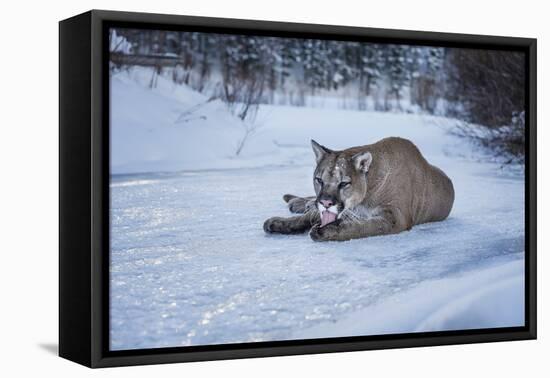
{"x": 362, "y": 161}
{"x": 320, "y": 151}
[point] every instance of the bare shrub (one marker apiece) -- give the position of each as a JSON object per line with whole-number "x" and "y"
{"x": 508, "y": 141}
{"x": 489, "y": 85}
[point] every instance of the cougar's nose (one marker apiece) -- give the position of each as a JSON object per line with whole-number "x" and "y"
{"x": 326, "y": 203}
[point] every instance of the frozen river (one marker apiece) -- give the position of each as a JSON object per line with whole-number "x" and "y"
{"x": 191, "y": 265}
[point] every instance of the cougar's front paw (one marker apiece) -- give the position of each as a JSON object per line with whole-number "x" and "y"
{"x": 328, "y": 232}
{"x": 275, "y": 225}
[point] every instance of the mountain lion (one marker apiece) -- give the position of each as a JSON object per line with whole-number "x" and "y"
{"x": 378, "y": 189}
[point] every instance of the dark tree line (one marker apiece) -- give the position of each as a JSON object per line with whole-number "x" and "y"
{"x": 305, "y": 66}
{"x": 483, "y": 87}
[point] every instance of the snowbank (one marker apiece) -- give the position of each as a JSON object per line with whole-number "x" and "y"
{"x": 485, "y": 298}
{"x": 172, "y": 128}
{"x": 166, "y": 128}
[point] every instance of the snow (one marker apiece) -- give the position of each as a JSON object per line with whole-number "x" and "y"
{"x": 465, "y": 301}
{"x": 172, "y": 127}
{"x": 191, "y": 265}
{"x": 151, "y": 127}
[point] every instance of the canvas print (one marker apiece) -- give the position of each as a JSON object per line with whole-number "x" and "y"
{"x": 267, "y": 189}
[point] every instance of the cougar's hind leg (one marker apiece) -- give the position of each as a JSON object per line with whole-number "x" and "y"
{"x": 288, "y": 197}
{"x": 298, "y": 205}
{"x": 293, "y": 225}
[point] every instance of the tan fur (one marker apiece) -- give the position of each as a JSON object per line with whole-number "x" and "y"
{"x": 392, "y": 188}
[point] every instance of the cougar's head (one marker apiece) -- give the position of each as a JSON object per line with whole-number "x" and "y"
{"x": 340, "y": 180}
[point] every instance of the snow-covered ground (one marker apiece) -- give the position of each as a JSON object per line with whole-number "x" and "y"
{"x": 191, "y": 265}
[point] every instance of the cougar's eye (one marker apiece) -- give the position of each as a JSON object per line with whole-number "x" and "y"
{"x": 344, "y": 184}
{"x": 318, "y": 180}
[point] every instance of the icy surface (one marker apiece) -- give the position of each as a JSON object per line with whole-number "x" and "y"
{"x": 191, "y": 265}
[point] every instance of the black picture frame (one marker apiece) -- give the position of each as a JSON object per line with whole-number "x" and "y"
{"x": 84, "y": 190}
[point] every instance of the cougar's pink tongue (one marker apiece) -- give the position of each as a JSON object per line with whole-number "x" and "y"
{"x": 327, "y": 217}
